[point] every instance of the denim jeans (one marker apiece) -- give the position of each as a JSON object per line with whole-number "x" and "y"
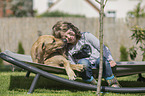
{"x": 87, "y": 73}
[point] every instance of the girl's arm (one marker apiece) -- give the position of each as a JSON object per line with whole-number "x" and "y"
{"x": 96, "y": 43}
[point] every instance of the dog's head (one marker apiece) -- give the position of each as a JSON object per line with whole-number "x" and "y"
{"x": 52, "y": 44}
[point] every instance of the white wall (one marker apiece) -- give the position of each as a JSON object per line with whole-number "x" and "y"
{"x": 122, "y": 6}
{"x": 76, "y": 7}
{"x": 40, "y": 5}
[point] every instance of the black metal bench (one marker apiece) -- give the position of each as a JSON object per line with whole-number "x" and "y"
{"x": 25, "y": 62}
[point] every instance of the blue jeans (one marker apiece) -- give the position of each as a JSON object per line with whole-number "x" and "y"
{"x": 87, "y": 73}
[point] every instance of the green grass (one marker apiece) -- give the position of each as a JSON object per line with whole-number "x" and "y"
{"x": 15, "y": 84}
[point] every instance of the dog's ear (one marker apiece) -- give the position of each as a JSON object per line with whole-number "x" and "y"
{"x": 43, "y": 46}
{"x": 45, "y": 43}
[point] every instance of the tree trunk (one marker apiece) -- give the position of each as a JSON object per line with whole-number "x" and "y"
{"x": 101, "y": 47}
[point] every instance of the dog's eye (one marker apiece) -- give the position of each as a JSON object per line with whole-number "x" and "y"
{"x": 53, "y": 41}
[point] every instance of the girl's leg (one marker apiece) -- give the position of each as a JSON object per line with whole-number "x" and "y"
{"x": 107, "y": 73}
{"x": 87, "y": 73}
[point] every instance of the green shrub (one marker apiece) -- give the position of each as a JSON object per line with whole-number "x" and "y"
{"x": 143, "y": 55}
{"x": 58, "y": 14}
{"x": 20, "y": 49}
{"x": 1, "y": 61}
{"x": 133, "y": 52}
{"x": 124, "y": 54}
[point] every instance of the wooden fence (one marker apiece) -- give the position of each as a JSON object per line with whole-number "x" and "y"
{"x": 26, "y": 30}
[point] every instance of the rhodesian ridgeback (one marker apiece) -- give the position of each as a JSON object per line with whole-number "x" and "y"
{"x": 49, "y": 50}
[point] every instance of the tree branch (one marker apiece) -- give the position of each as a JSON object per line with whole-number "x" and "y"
{"x": 105, "y": 3}
{"x": 98, "y": 1}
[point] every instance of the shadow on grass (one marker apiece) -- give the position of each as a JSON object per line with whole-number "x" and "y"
{"x": 20, "y": 82}
{"x": 9, "y": 68}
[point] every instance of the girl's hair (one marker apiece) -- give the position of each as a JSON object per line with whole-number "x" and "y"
{"x": 61, "y": 26}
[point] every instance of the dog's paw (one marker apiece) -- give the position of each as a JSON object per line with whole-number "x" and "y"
{"x": 72, "y": 77}
{"x": 77, "y": 67}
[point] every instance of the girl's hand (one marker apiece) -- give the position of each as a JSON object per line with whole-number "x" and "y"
{"x": 112, "y": 63}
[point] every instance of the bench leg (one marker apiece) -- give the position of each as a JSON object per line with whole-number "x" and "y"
{"x": 27, "y": 74}
{"x": 140, "y": 78}
{"x": 34, "y": 83}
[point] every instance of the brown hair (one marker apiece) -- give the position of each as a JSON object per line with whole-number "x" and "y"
{"x": 61, "y": 26}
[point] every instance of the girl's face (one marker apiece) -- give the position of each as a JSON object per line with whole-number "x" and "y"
{"x": 70, "y": 36}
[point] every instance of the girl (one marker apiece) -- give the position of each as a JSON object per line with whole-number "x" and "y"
{"x": 84, "y": 48}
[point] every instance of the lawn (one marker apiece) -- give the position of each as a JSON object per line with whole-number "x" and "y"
{"x": 15, "y": 84}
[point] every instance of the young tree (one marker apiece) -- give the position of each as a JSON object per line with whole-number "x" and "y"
{"x": 102, "y": 5}
{"x": 138, "y": 32}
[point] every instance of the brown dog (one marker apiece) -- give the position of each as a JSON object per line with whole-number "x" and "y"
{"x": 44, "y": 51}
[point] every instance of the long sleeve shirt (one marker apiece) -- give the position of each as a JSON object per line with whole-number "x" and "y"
{"x": 93, "y": 45}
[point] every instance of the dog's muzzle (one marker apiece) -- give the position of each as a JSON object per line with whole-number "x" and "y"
{"x": 65, "y": 41}
{"x": 65, "y": 44}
